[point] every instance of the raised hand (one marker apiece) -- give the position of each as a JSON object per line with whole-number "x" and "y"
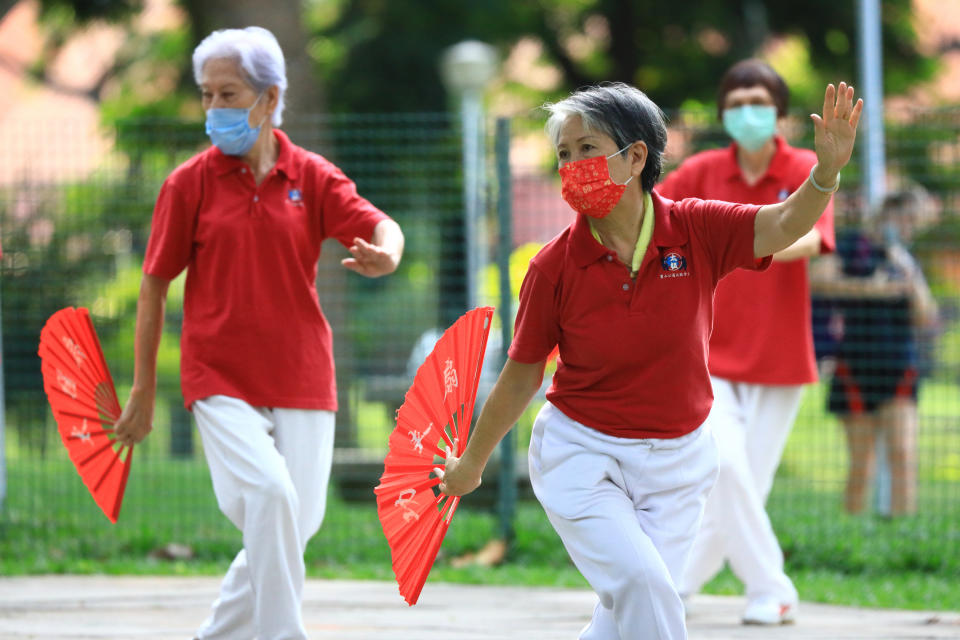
{"x": 836, "y": 130}
{"x": 369, "y": 259}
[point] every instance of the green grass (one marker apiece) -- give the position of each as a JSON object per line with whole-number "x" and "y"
{"x": 56, "y": 528}
{"x": 51, "y": 525}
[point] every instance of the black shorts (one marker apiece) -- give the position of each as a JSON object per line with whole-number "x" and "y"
{"x": 855, "y": 392}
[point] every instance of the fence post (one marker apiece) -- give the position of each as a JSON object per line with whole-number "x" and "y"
{"x": 874, "y": 174}
{"x": 507, "y": 485}
{"x": 3, "y": 424}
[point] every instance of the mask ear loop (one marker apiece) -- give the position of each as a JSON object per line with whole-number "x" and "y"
{"x": 608, "y": 168}
{"x": 250, "y": 108}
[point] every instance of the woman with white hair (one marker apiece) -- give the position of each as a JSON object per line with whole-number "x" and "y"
{"x": 619, "y": 458}
{"x": 246, "y": 219}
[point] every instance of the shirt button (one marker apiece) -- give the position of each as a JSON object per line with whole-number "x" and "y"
{"x": 609, "y": 258}
{"x": 626, "y": 287}
{"x": 256, "y": 198}
{"x": 243, "y": 170}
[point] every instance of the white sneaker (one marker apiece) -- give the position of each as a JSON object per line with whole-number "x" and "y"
{"x": 769, "y": 611}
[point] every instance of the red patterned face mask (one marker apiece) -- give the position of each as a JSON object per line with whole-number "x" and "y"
{"x": 586, "y": 185}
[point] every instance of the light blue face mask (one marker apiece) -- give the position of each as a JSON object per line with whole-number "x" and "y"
{"x": 750, "y": 125}
{"x": 230, "y": 130}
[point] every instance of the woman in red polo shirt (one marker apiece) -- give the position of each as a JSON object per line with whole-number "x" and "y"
{"x": 761, "y": 350}
{"x": 617, "y": 458}
{"x": 246, "y": 219}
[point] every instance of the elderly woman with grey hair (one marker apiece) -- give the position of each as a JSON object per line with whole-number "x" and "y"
{"x": 246, "y": 219}
{"x": 618, "y": 457}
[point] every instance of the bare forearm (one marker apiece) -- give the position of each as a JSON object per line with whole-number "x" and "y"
{"x": 150, "y": 309}
{"x": 388, "y": 236}
{"x": 511, "y": 394}
{"x": 777, "y": 226}
{"x": 780, "y": 225}
{"x": 136, "y": 420}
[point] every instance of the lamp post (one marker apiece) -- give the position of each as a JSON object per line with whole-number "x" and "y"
{"x": 466, "y": 69}
{"x": 870, "y": 65}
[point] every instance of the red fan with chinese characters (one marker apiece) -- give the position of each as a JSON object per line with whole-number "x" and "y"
{"x": 85, "y": 405}
{"x": 436, "y": 413}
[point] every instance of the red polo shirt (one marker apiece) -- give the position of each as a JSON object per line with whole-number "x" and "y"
{"x": 252, "y": 324}
{"x": 633, "y": 352}
{"x": 762, "y": 330}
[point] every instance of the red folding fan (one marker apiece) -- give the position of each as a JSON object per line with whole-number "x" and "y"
{"x": 436, "y": 413}
{"x": 85, "y": 406}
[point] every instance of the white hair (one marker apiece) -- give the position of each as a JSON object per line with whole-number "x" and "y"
{"x": 257, "y": 52}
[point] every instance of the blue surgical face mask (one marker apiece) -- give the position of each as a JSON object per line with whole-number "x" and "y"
{"x": 750, "y": 125}
{"x": 230, "y": 130}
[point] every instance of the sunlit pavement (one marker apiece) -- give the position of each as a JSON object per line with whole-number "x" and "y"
{"x": 170, "y": 608}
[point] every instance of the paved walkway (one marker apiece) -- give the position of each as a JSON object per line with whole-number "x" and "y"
{"x": 170, "y": 608}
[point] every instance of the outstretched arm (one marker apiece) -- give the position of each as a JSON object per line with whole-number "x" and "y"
{"x": 777, "y": 226}
{"x": 381, "y": 255}
{"x": 136, "y": 421}
{"x": 516, "y": 386}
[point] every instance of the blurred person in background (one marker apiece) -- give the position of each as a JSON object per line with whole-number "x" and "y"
{"x": 880, "y": 302}
{"x": 620, "y": 456}
{"x": 761, "y": 349}
{"x": 246, "y": 219}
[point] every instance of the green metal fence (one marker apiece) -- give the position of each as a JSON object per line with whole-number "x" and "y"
{"x": 76, "y": 236}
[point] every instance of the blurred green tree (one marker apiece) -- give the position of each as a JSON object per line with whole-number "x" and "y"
{"x": 675, "y": 51}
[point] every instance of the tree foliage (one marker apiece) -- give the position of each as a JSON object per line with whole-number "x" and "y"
{"x": 81, "y": 11}
{"x": 377, "y": 56}
{"x": 382, "y": 56}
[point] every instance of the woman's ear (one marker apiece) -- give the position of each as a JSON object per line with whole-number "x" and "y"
{"x": 273, "y": 99}
{"x": 638, "y": 157}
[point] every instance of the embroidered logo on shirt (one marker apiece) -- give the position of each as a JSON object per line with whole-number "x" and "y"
{"x": 295, "y": 197}
{"x": 673, "y": 262}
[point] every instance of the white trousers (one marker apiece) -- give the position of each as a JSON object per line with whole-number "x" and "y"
{"x": 751, "y": 423}
{"x": 626, "y": 510}
{"x": 270, "y": 469}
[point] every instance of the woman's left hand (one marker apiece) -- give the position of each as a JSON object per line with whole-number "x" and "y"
{"x": 369, "y": 259}
{"x": 836, "y": 129}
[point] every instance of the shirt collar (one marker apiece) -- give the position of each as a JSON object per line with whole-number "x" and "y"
{"x": 643, "y": 238}
{"x": 777, "y": 170}
{"x": 224, "y": 164}
{"x": 667, "y": 232}
{"x": 584, "y": 249}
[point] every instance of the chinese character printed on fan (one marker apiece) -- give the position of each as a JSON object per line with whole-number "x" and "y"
{"x": 78, "y": 355}
{"x": 416, "y": 438}
{"x": 403, "y": 500}
{"x": 67, "y": 385}
{"x": 82, "y": 434}
{"x": 449, "y": 378}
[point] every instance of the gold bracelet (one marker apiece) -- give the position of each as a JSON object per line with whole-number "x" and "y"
{"x": 816, "y": 186}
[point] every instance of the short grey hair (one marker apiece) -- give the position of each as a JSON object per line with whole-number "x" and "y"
{"x": 257, "y": 52}
{"x": 621, "y": 112}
